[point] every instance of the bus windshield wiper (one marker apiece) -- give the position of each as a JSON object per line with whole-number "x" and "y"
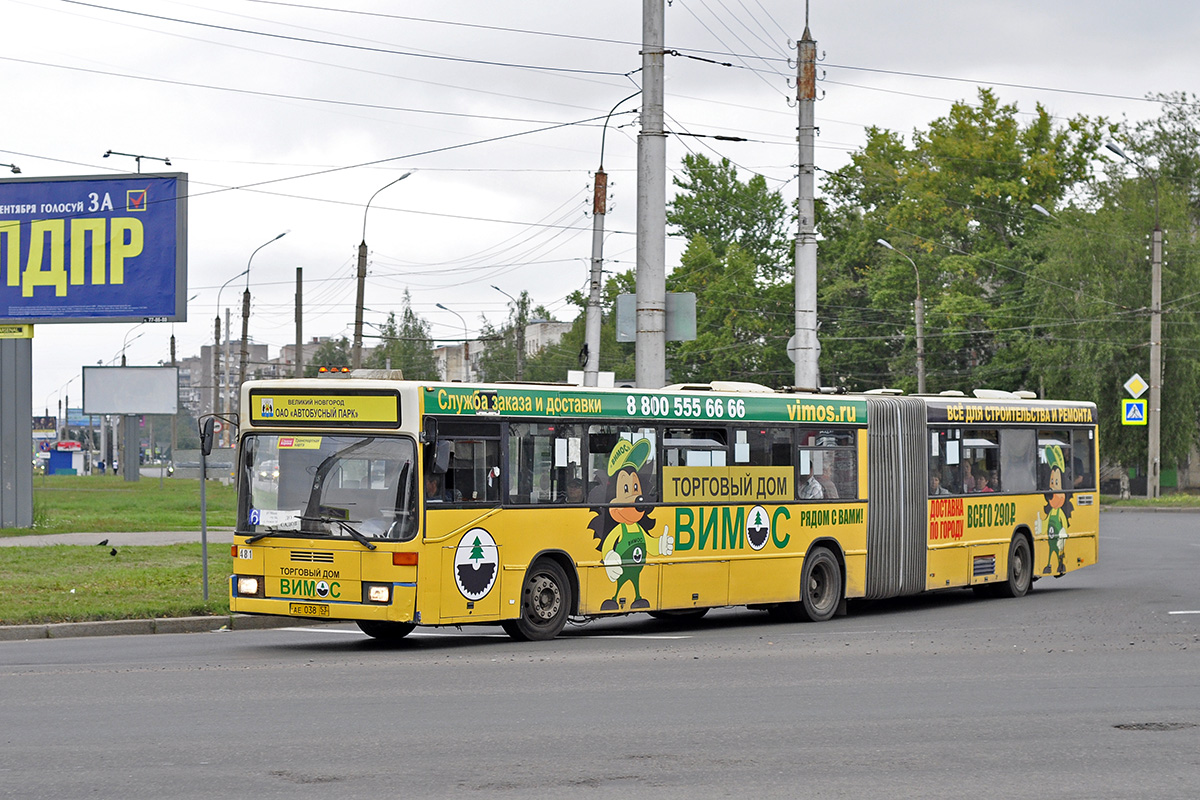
{"x": 345, "y": 525}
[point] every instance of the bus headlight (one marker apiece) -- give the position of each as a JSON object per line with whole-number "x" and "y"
{"x": 377, "y": 593}
{"x": 249, "y": 586}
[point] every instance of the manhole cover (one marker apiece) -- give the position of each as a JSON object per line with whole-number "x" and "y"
{"x": 1155, "y": 726}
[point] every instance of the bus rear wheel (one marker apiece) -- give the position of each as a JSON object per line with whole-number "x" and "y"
{"x": 385, "y": 631}
{"x": 545, "y": 604}
{"x": 1020, "y": 569}
{"x": 820, "y": 586}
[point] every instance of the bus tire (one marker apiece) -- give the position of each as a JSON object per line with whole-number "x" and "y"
{"x": 385, "y": 631}
{"x": 820, "y": 586}
{"x": 545, "y": 603}
{"x": 1020, "y": 569}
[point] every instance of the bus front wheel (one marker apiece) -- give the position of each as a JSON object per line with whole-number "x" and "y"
{"x": 820, "y": 586}
{"x": 545, "y": 603}
{"x": 385, "y": 631}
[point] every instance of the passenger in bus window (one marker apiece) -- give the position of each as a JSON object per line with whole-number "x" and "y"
{"x": 575, "y": 491}
{"x": 983, "y": 482}
{"x": 935, "y": 485}
{"x": 825, "y": 477}
{"x": 812, "y": 488}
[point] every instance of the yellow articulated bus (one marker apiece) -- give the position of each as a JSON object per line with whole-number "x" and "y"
{"x": 395, "y": 503}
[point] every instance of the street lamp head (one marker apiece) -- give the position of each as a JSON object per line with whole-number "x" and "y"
{"x": 1041, "y": 210}
{"x": 107, "y": 153}
{"x": 15, "y": 169}
{"x": 1111, "y": 146}
{"x": 442, "y": 307}
{"x": 885, "y": 243}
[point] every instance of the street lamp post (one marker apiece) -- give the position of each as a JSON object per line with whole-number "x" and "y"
{"x": 125, "y": 341}
{"x": 919, "y": 315}
{"x": 356, "y": 348}
{"x": 466, "y": 369}
{"x": 246, "y": 314}
{"x": 216, "y": 359}
{"x": 592, "y": 324}
{"x": 137, "y": 158}
{"x": 520, "y": 322}
{"x": 1154, "y": 412}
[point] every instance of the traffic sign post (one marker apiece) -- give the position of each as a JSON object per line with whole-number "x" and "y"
{"x": 1133, "y": 412}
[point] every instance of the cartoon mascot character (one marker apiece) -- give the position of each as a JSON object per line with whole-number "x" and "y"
{"x": 623, "y": 528}
{"x": 1058, "y": 510}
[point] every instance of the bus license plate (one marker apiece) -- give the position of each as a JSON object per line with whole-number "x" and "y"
{"x": 308, "y": 609}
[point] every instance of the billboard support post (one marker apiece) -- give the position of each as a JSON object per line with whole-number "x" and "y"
{"x": 16, "y": 433}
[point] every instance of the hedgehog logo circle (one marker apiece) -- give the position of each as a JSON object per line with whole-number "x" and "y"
{"x": 476, "y": 564}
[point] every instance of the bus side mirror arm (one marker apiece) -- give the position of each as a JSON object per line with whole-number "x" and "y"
{"x": 429, "y": 431}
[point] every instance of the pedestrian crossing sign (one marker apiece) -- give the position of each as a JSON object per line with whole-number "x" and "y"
{"x": 1133, "y": 412}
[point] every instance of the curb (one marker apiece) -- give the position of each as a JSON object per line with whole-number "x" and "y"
{"x": 127, "y": 627}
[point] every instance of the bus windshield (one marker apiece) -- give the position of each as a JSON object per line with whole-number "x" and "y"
{"x": 356, "y": 485}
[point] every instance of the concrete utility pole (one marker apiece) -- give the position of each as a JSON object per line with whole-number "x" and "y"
{"x": 591, "y": 331}
{"x": 299, "y": 323}
{"x": 360, "y": 298}
{"x": 1154, "y": 412}
{"x": 805, "y": 352}
{"x": 591, "y": 337}
{"x": 651, "y": 342}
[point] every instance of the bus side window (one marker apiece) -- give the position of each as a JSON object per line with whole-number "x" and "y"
{"x": 1083, "y": 472}
{"x": 543, "y": 459}
{"x": 1053, "y": 454}
{"x": 827, "y": 462}
{"x": 606, "y": 451}
{"x": 473, "y": 474}
{"x": 1018, "y": 460}
{"x": 763, "y": 447}
{"x": 945, "y": 461}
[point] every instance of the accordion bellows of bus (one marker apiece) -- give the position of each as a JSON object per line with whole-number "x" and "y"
{"x": 394, "y": 503}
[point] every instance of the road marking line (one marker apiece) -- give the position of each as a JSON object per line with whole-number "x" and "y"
{"x": 1183, "y": 612}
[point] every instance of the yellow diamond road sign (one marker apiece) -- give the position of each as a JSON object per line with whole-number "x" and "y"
{"x": 1136, "y": 386}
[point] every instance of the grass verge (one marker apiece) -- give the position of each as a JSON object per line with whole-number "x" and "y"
{"x": 106, "y": 503}
{"x": 65, "y": 583}
{"x": 1173, "y": 500}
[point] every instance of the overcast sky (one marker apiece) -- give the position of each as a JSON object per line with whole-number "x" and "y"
{"x": 289, "y": 116}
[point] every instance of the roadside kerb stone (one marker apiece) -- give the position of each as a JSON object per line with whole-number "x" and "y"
{"x": 127, "y": 627}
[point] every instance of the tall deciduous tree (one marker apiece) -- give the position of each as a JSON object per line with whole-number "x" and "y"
{"x": 957, "y": 202}
{"x": 407, "y": 345}
{"x": 330, "y": 353}
{"x": 737, "y": 263}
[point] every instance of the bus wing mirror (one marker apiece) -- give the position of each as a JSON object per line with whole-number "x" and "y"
{"x": 441, "y": 458}
{"x": 429, "y": 431}
{"x": 206, "y": 436}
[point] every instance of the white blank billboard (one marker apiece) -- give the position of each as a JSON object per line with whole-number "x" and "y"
{"x": 130, "y": 390}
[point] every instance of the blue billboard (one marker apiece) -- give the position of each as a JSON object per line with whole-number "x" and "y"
{"x": 94, "y": 249}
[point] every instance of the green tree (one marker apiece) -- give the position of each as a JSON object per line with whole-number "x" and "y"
{"x": 1089, "y": 291}
{"x": 407, "y": 346}
{"x": 737, "y": 263}
{"x": 330, "y": 353}
{"x": 957, "y": 202}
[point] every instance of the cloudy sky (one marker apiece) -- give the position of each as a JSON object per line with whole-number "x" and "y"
{"x": 288, "y": 116}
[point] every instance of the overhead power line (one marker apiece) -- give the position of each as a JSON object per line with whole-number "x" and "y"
{"x": 345, "y": 46}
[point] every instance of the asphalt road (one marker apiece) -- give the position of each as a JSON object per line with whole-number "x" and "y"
{"x": 1087, "y": 688}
